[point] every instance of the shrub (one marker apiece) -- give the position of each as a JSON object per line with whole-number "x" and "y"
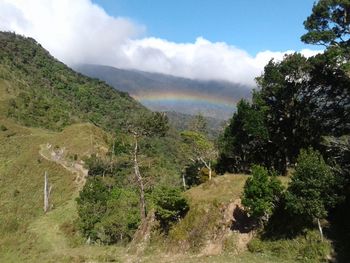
{"x": 3, "y": 128}
{"x": 262, "y": 193}
{"x": 169, "y": 205}
{"x": 107, "y": 214}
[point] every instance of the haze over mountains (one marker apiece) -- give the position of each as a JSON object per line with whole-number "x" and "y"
{"x": 162, "y": 92}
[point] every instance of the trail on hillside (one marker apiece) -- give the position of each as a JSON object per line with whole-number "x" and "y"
{"x": 57, "y": 156}
{"x": 47, "y": 227}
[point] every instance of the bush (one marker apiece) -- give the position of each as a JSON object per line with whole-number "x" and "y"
{"x": 169, "y": 205}
{"x": 305, "y": 248}
{"x": 107, "y": 214}
{"x": 3, "y": 127}
{"x": 312, "y": 191}
{"x": 262, "y": 193}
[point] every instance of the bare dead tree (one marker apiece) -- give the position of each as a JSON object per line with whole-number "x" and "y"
{"x": 47, "y": 193}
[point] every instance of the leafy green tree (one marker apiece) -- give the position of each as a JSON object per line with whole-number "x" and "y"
{"x": 313, "y": 189}
{"x": 107, "y": 212}
{"x": 200, "y": 148}
{"x": 244, "y": 141}
{"x": 262, "y": 193}
{"x": 122, "y": 216}
{"x": 92, "y": 206}
{"x": 289, "y": 105}
{"x": 170, "y": 205}
{"x": 329, "y": 23}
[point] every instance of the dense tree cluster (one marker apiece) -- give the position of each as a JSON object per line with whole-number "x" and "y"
{"x": 298, "y": 120}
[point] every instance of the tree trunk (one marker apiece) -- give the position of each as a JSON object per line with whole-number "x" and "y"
{"x": 209, "y": 168}
{"x": 208, "y": 165}
{"x": 140, "y": 181}
{"x": 47, "y": 191}
{"x": 184, "y": 181}
{"x": 320, "y": 228}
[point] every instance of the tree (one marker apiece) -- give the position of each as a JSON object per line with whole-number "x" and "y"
{"x": 107, "y": 213}
{"x": 122, "y": 216}
{"x": 92, "y": 205}
{"x": 329, "y": 23}
{"x": 313, "y": 189}
{"x": 145, "y": 125}
{"x": 198, "y": 124}
{"x": 200, "y": 148}
{"x": 262, "y": 193}
{"x": 244, "y": 141}
{"x": 169, "y": 204}
{"x": 289, "y": 105}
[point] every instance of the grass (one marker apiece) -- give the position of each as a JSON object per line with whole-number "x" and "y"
{"x": 26, "y": 233}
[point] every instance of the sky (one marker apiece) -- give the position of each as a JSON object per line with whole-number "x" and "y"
{"x": 253, "y": 25}
{"x": 197, "y": 39}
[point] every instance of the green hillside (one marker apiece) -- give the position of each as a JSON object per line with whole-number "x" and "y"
{"x": 43, "y": 92}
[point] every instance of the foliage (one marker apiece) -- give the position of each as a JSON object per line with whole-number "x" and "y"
{"x": 149, "y": 124}
{"x": 328, "y": 23}
{"x": 122, "y": 216}
{"x": 304, "y": 248}
{"x": 170, "y": 205}
{"x": 196, "y": 174}
{"x": 262, "y": 193}
{"x": 313, "y": 189}
{"x": 299, "y": 101}
{"x": 183, "y": 122}
{"x": 61, "y": 96}
{"x": 199, "y": 124}
{"x": 202, "y": 152}
{"x": 107, "y": 214}
{"x": 244, "y": 140}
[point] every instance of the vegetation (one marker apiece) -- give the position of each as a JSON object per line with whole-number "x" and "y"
{"x": 262, "y": 193}
{"x": 301, "y": 103}
{"x": 313, "y": 189}
{"x": 125, "y": 163}
{"x": 107, "y": 214}
{"x": 61, "y": 96}
{"x": 170, "y": 206}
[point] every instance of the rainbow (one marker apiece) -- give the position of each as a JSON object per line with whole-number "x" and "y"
{"x": 185, "y": 97}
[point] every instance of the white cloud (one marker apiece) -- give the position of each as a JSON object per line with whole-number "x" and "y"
{"x": 81, "y": 32}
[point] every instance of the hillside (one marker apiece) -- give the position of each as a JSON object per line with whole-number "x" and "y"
{"x": 168, "y": 93}
{"x": 182, "y": 122}
{"x": 40, "y": 91}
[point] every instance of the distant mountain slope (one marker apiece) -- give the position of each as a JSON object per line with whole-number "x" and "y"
{"x": 38, "y": 90}
{"x": 168, "y": 93}
{"x": 181, "y": 121}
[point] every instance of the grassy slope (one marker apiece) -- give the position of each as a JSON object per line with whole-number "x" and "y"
{"x": 26, "y": 234}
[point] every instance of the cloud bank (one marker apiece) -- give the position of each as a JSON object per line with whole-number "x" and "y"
{"x": 82, "y": 32}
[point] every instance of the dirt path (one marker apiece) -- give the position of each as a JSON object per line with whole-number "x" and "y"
{"x": 74, "y": 167}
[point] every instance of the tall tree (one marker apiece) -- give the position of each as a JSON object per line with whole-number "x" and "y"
{"x": 245, "y": 140}
{"x": 329, "y": 23}
{"x": 154, "y": 124}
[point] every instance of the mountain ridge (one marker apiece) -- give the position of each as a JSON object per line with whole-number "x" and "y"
{"x": 161, "y": 92}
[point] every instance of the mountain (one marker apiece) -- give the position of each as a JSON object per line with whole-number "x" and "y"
{"x": 39, "y": 91}
{"x": 181, "y": 122}
{"x": 169, "y": 93}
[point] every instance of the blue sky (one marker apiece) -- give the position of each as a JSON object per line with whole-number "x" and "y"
{"x": 229, "y": 40}
{"x": 253, "y": 25}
